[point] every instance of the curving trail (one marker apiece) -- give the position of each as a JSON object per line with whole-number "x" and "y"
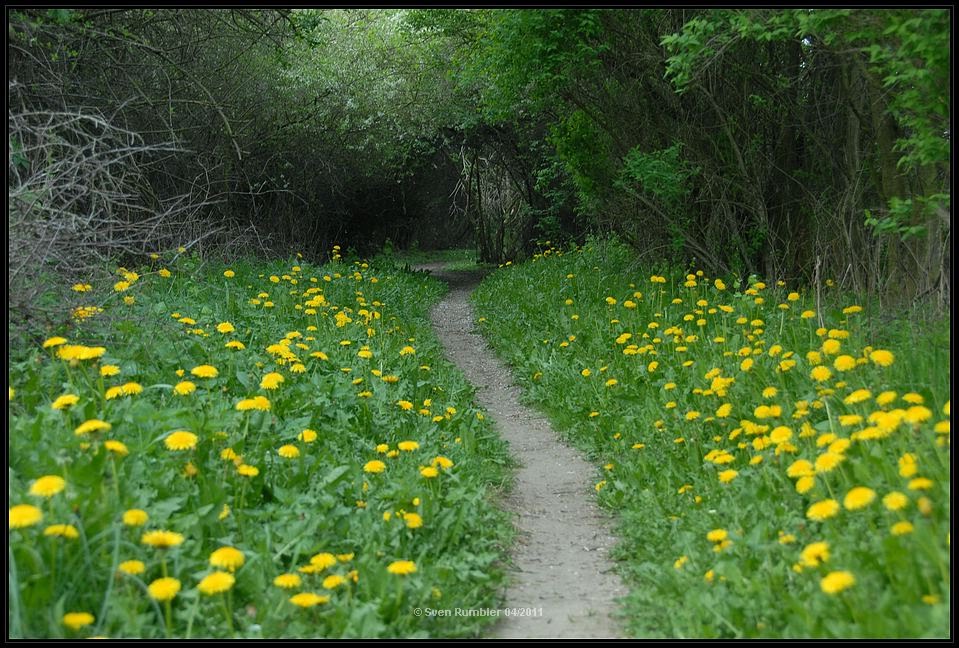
{"x": 560, "y": 562}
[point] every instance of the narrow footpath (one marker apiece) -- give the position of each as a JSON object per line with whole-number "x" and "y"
{"x": 560, "y": 561}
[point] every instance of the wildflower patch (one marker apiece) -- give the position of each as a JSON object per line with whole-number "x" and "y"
{"x": 777, "y": 470}
{"x": 223, "y": 455}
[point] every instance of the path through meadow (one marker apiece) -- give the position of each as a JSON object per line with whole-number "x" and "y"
{"x": 561, "y": 564}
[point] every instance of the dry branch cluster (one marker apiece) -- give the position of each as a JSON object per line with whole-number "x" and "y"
{"x": 122, "y": 143}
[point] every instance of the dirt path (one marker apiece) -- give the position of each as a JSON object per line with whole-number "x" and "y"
{"x": 560, "y": 561}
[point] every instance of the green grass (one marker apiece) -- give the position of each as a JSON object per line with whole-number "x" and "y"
{"x": 457, "y": 259}
{"x": 322, "y": 501}
{"x": 633, "y": 373}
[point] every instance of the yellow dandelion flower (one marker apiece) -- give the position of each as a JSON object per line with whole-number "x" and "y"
{"x": 401, "y": 567}
{"x": 831, "y": 346}
{"x": 885, "y": 398}
{"x": 858, "y": 498}
{"x": 271, "y": 380}
{"x": 216, "y": 583}
{"x": 92, "y": 425}
{"x": 895, "y": 501}
{"x": 857, "y": 396}
{"x": 181, "y": 440}
{"x": 920, "y": 483}
{"x": 77, "y": 620}
{"x": 135, "y": 517}
{"x": 132, "y": 567}
{"x": 205, "y": 371}
{"x": 48, "y": 486}
{"x": 67, "y": 531}
{"x": 717, "y": 535}
{"x": 805, "y": 484}
{"x": 247, "y": 471}
{"x": 375, "y": 466}
{"x": 184, "y": 388}
{"x": 901, "y": 528}
{"x": 288, "y": 451}
{"x": 116, "y": 447}
{"x": 323, "y": 560}
{"x": 164, "y": 589}
{"x": 229, "y": 558}
{"x": 429, "y": 472}
{"x": 162, "y": 539}
{"x": 308, "y": 599}
{"x": 24, "y": 515}
{"x": 131, "y": 388}
{"x": 287, "y": 581}
{"x": 727, "y": 476}
{"x": 882, "y": 358}
{"x": 844, "y": 363}
{"x": 820, "y": 373}
{"x": 908, "y": 466}
{"x": 823, "y": 510}
{"x": 917, "y": 414}
{"x": 814, "y": 554}
{"x": 837, "y": 581}
{"x": 828, "y": 461}
{"x": 65, "y": 401}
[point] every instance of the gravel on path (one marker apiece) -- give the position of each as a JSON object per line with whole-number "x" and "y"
{"x": 561, "y": 572}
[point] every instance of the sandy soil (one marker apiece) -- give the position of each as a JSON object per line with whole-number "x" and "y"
{"x": 560, "y": 562}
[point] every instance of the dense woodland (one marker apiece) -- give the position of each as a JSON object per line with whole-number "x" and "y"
{"x": 798, "y": 144}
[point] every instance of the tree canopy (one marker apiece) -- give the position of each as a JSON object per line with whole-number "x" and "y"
{"x": 798, "y": 143}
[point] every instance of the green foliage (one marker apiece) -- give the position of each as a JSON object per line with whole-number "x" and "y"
{"x": 901, "y": 217}
{"x": 585, "y": 150}
{"x": 699, "y": 40}
{"x": 663, "y": 174}
{"x": 524, "y": 59}
{"x": 906, "y": 49}
{"x": 911, "y": 56}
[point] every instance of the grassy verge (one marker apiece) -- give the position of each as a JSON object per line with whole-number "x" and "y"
{"x": 779, "y": 469}
{"x": 457, "y": 259}
{"x": 311, "y": 464}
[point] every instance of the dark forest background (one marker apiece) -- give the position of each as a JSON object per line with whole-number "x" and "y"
{"x": 796, "y": 144}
